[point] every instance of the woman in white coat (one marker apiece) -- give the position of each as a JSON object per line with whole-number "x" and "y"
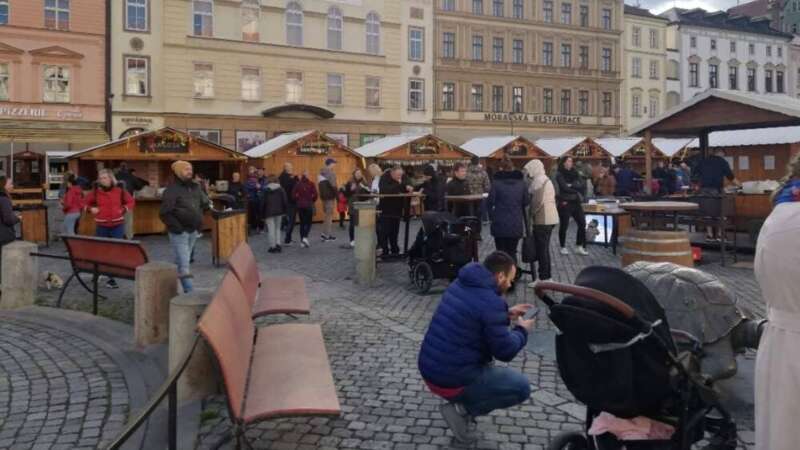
{"x": 777, "y": 268}
{"x": 542, "y": 215}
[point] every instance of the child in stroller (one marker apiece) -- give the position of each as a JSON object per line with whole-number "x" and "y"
{"x": 616, "y": 354}
{"x": 442, "y": 247}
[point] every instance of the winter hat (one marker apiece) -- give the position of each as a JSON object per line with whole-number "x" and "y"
{"x": 179, "y": 166}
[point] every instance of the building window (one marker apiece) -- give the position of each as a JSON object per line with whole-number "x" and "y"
{"x": 294, "y": 24}
{"x": 335, "y": 88}
{"x": 654, "y": 38}
{"x": 713, "y": 76}
{"x": 733, "y": 78}
{"x": 251, "y": 84}
{"x": 56, "y": 84}
{"x": 497, "y": 99}
{"x": 733, "y": 46}
{"x": 636, "y": 68}
{"x": 4, "y": 81}
{"x": 137, "y": 76}
{"x": 654, "y": 70}
{"x": 547, "y": 101}
{"x": 334, "y": 28}
{"x": 477, "y": 7}
{"x": 779, "y": 81}
{"x": 3, "y": 12}
{"x": 566, "y": 102}
{"x": 373, "y": 33}
{"x": 566, "y": 13}
{"x": 517, "y": 100}
{"x": 606, "y": 22}
{"x": 653, "y": 107}
{"x": 547, "y": 14}
{"x": 751, "y": 48}
{"x": 566, "y": 55}
{"x": 449, "y": 5}
{"x": 448, "y": 97}
{"x": 751, "y": 80}
{"x": 636, "y": 105}
{"x": 713, "y": 44}
{"x": 584, "y": 15}
{"x": 203, "y": 80}
{"x": 373, "y": 92}
{"x": 606, "y": 60}
{"x": 693, "y": 42}
{"x": 519, "y": 9}
{"x": 203, "y": 17}
{"x": 780, "y": 52}
{"x": 547, "y": 53}
{"x": 477, "y": 48}
{"x": 636, "y": 37}
{"x": 209, "y": 135}
{"x": 56, "y": 14}
{"x": 607, "y": 107}
{"x": 294, "y": 87}
{"x": 135, "y": 15}
{"x": 769, "y": 50}
{"x": 416, "y": 44}
{"x": 583, "y": 103}
{"x": 251, "y": 10}
{"x": 518, "y": 52}
{"x": 497, "y": 50}
{"x": 416, "y": 94}
{"x": 497, "y": 8}
{"x": 694, "y": 75}
{"x": 448, "y": 45}
{"x": 583, "y": 57}
{"x": 768, "y": 80}
{"x": 477, "y": 97}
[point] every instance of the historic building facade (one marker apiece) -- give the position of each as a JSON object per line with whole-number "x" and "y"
{"x": 532, "y": 67}
{"x": 645, "y": 58}
{"x": 241, "y": 71}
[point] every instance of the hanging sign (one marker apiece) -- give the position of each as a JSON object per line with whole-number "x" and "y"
{"x": 164, "y": 142}
{"x": 517, "y": 150}
{"x": 315, "y": 148}
{"x": 426, "y": 147}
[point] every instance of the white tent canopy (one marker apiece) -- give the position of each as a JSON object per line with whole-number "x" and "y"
{"x": 483, "y": 147}
{"x": 556, "y": 147}
{"x": 386, "y": 144}
{"x": 275, "y": 144}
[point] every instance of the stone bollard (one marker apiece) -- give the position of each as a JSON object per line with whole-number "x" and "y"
{"x": 156, "y": 284}
{"x": 365, "y": 243}
{"x": 199, "y": 379}
{"x": 19, "y": 275}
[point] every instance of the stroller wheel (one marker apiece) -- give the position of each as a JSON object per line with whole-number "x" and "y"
{"x": 569, "y": 441}
{"x": 422, "y": 277}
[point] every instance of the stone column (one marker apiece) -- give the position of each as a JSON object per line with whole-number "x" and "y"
{"x": 156, "y": 284}
{"x": 365, "y": 243}
{"x": 20, "y": 275}
{"x": 199, "y": 379}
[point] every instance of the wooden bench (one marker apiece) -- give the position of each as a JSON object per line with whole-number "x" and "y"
{"x": 116, "y": 258}
{"x": 268, "y": 372}
{"x": 272, "y": 295}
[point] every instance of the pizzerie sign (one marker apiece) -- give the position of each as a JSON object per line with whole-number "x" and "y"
{"x": 22, "y": 111}
{"x": 533, "y": 118}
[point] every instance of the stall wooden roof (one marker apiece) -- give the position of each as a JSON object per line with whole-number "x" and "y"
{"x": 499, "y": 146}
{"x": 294, "y": 141}
{"x": 758, "y": 136}
{"x": 132, "y": 148}
{"x": 402, "y": 147}
{"x": 581, "y": 147}
{"x": 618, "y": 146}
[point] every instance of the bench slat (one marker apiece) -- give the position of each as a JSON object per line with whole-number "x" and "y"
{"x": 282, "y": 295}
{"x": 243, "y": 263}
{"x": 290, "y": 374}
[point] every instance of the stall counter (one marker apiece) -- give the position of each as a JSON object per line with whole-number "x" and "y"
{"x": 146, "y": 219}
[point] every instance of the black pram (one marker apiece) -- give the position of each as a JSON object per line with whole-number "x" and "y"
{"x": 442, "y": 247}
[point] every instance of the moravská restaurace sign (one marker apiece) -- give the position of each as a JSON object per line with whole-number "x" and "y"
{"x": 533, "y": 118}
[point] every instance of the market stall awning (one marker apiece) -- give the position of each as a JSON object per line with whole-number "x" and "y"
{"x": 556, "y": 147}
{"x": 500, "y": 146}
{"x": 419, "y": 148}
{"x": 311, "y": 142}
{"x": 618, "y": 146}
{"x": 79, "y": 133}
{"x": 671, "y": 147}
{"x": 758, "y": 136}
{"x": 275, "y": 144}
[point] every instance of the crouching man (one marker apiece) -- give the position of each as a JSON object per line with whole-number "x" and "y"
{"x": 472, "y": 327}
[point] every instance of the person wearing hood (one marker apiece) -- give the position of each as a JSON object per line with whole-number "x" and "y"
{"x": 182, "y": 208}
{"x": 433, "y": 189}
{"x": 275, "y": 207}
{"x": 472, "y": 327}
{"x": 507, "y": 201}
{"x": 72, "y": 205}
{"x": 542, "y": 215}
{"x": 329, "y": 194}
{"x": 305, "y": 195}
{"x": 571, "y": 193}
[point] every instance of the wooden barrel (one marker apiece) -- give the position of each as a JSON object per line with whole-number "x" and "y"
{"x": 656, "y": 246}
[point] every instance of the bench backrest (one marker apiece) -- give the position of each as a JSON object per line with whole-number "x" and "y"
{"x": 117, "y": 257}
{"x": 243, "y": 264}
{"x": 228, "y": 329}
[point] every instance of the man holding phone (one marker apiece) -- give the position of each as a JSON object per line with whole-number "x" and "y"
{"x": 472, "y": 327}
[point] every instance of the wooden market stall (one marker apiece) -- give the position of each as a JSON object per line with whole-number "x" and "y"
{"x": 151, "y": 154}
{"x": 631, "y": 151}
{"x": 306, "y": 151}
{"x": 413, "y": 151}
{"x": 579, "y": 148}
{"x": 493, "y": 149}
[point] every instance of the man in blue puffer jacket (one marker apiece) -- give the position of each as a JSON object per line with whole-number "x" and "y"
{"x": 469, "y": 330}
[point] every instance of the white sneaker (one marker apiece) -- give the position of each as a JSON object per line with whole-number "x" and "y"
{"x": 352, "y": 244}
{"x": 304, "y": 243}
{"x": 581, "y": 251}
{"x": 564, "y": 251}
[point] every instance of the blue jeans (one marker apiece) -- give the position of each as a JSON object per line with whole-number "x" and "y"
{"x": 115, "y": 232}
{"x": 70, "y": 222}
{"x": 495, "y": 388}
{"x": 182, "y": 244}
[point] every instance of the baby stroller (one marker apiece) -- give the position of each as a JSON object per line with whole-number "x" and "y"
{"x": 617, "y": 354}
{"x": 442, "y": 247}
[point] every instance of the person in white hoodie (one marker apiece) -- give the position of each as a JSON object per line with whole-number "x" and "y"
{"x": 542, "y": 215}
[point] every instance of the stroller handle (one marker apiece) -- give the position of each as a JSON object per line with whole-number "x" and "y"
{"x": 587, "y": 293}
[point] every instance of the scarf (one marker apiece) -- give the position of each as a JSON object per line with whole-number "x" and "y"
{"x": 789, "y": 192}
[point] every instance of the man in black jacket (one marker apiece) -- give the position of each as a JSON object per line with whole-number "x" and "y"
{"x": 182, "y": 207}
{"x": 391, "y": 209}
{"x": 287, "y": 181}
{"x": 459, "y": 186}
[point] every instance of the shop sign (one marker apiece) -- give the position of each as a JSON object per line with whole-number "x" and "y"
{"x": 315, "y": 148}
{"x": 546, "y": 119}
{"x": 428, "y": 147}
{"x": 22, "y": 111}
{"x": 70, "y": 115}
{"x": 137, "y": 121}
{"x": 164, "y": 142}
{"x": 517, "y": 150}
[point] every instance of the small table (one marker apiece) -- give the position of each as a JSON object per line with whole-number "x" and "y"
{"x": 617, "y": 214}
{"x": 651, "y": 209}
{"x": 407, "y": 210}
{"x": 473, "y": 201}
{"x": 656, "y": 244}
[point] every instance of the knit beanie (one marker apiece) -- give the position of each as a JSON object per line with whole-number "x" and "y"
{"x": 179, "y": 166}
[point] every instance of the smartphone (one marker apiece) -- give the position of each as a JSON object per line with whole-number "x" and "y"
{"x": 531, "y": 313}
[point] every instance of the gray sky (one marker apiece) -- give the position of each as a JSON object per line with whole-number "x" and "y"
{"x": 657, "y": 6}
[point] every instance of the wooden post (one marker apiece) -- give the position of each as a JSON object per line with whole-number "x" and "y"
{"x": 648, "y": 162}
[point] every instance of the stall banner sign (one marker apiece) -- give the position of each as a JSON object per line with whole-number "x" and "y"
{"x": 427, "y": 147}
{"x": 517, "y": 150}
{"x": 164, "y": 142}
{"x": 315, "y": 148}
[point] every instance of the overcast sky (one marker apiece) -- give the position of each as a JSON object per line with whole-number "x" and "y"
{"x": 658, "y": 6}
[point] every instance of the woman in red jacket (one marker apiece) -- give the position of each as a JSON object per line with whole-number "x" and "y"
{"x": 72, "y": 205}
{"x": 305, "y": 195}
{"x": 108, "y": 203}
